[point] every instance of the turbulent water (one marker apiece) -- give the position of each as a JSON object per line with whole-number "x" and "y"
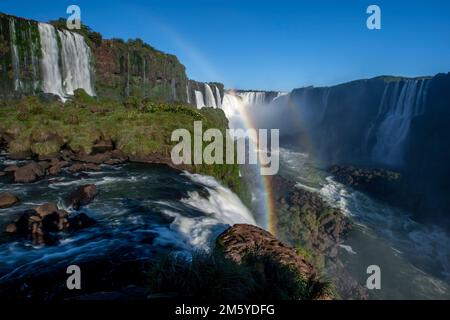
{"x": 414, "y": 258}
{"x": 141, "y": 211}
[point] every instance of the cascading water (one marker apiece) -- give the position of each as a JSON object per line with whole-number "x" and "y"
{"x": 199, "y": 101}
{"x": 74, "y": 57}
{"x": 188, "y": 94}
{"x": 253, "y": 97}
{"x": 52, "y": 81}
{"x": 209, "y": 97}
{"x": 218, "y": 98}
{"x": 401, "y": 102}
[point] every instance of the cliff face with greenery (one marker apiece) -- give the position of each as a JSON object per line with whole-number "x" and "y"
{"x": 19, "y": 56}
{"x": 121, "y": 68}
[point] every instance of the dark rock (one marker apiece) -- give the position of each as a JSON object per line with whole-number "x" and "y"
{"x": 84, "y": 167}
{"x": 11, "y": 169}
{"x": 119, "y": 154}
{"x": 114, "y": 162}
{"x": 82, "y": 196}
{"x": 26, "y": 155}
{"x": 44, "y": 164}
{"x": 98, "y": 158}
{"x": 11, "y": 228}
{"x": 7, "y": 200}
{"x": 29, "y": 173}
{"x": 56, "y": 167}
{"x": 2, "y": 173}
{"x": 46, "y": 209}
{"x": 80, "y": 221}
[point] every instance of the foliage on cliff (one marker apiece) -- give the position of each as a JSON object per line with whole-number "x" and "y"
{"x": 138, "y": 127}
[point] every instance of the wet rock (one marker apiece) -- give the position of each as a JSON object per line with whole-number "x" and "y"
{"x": 81, "y": 221}
{"x": 114, "y": 162}
{"x": 44, "y": 164}
{"x": 26, "y": 155}
{"x": 119, "y": 154}
{"x": 46, "y": 209}
{"x": 83, "y": 167}
{"x": 82, "y": 196}
{"x": 7, "y": 200}
{"x": 11, "y": 228}
{"x": 98, "y": 158}
{"x": 56, "y": 167}
{"x": 29, "y": 173}
{"x": 11, "y": 168}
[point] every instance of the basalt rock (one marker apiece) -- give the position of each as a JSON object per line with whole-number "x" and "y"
{"x": 7, "y": 200}
{"x": 43, "y": 224}
{"x": 242, "y": 239}
{"x": 29, "y": 173}
{"x": 83, "y": 167}
{"x": 82, "y": 196}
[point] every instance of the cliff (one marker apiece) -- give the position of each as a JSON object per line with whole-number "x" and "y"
{"x": 385, "y": 122}
{"x": 36, "y": 58}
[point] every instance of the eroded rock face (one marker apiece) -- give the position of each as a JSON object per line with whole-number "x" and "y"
{"x": 7, "y": 200}
{"x": 82, "y": 196}
{"x": 243, "y": 239}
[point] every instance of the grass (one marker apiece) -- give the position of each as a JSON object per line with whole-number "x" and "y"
{"x": 138, "y": 127}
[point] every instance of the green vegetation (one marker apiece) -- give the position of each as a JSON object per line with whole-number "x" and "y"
{"x": 138, "y": 127}
{"x": 211, "y": 276}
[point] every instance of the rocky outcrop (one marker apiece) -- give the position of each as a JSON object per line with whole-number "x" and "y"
{"x": 82, "y": 196}
{"x": 242, "y": 239}
{"x": 44, "y": 222}
{"x": 241, "y": 242}
{"x": 29, "y": 173}
{"x": 7, "y": 200}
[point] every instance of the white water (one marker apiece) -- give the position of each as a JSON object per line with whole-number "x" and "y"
{"x": 199, "y": 101}
{"x": 397, "y": 109}
{"x": 210, "y": 101}
{"x": 218, "y": 98}
{"x": 223, "y": 208}
{"x": 74, "y": 57}
{"x": 188, "y": 94}
{"x": 15, "y": 55}
{"x": 253, "y": 97}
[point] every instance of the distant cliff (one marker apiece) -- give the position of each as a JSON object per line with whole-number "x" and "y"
{"x": 46, "y": 58}
{"x": 389, "y": 122}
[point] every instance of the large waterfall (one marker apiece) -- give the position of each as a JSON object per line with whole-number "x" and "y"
{"x": 218, "y": 98}
{"x": 65, "y": 68}
{"x": 401, "y": 102}
{"x": 199, "y": 101}
{"x": 210, "y": 101}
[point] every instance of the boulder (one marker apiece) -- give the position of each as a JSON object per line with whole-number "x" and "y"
{"x": 84, "y": 167}
{"x": 29, "y": 173}
{"x": 242, "y": 239}
{"x": 7, "y": 200}
{"x": 46, "y": 209}
{"x": 56, "y": 167}
{"x": 11, "y": 168}
{"x": 82, "y": 196}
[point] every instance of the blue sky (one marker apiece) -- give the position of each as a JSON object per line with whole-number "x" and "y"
{"x": 279, "y": 45}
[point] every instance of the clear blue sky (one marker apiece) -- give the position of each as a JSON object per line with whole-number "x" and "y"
{"x": 262, "y": 44}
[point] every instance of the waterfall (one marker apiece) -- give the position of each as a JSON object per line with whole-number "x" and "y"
{"x": 253, "y": 97}
{"x": 15, "y": 54}
{"x": 52, "y": 82}
{"x": 401, "y": 102}
{"x": 209, "y": 97}
{"x": 76, "y": 58}
{"x": 188, "y": 94}
{"x": 218, "y": 97}
{"x": 199, "y": 101}
{"x": 65, "y": 68}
